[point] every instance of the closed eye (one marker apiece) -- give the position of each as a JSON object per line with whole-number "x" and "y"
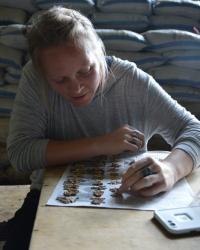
{"x": 60, "y": 81}
{"x": 86, "y": 72}
{"x": 81, "y": 73}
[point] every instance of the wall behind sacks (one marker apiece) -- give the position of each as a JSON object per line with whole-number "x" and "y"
{"x": 161, "y": 37}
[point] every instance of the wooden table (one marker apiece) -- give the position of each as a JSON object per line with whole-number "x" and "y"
{"x": 77, "y": 228}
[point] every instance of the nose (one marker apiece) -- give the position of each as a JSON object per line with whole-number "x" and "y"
{"x": 75, "y": 87}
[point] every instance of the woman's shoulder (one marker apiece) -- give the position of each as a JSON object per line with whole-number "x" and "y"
{"x": 30, "y": 76}
{"x": 118, "y": 63}
{"x": 31, "y": 82}
{"x": 121, "y": 69}
{"x": 30, "y": 70}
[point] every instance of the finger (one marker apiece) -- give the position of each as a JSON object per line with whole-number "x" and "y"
{"x": 147, "y": 162}
{"x": 151, "y": 191}
{"x": 145, "y": 182}
{"x": 138, "y": 134}
{"x": 126, "y": 184}
{"x": 149, "y": 170}
{"x": 136, "y": 167}
{"x": 136, "y": 141}
{"x": 135, "y": 132}
{"x": 131, "y": 138}
{"x": 123, "y": 189}
{"x": 128, "y": 137}
{"x": 131, "y": 147}
{"x": 139, "y": 179}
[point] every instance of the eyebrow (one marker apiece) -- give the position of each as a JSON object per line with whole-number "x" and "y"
{"x": 89, "y": 64}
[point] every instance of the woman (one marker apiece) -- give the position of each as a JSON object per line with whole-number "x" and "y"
{"x": 75, "y": 103}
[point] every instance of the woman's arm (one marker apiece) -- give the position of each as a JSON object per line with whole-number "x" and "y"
{"x": 116, "y": 142}
{"x": 180, "y": 129}
{"x": 181, "y": 162}
{"x": 165, "y": 116}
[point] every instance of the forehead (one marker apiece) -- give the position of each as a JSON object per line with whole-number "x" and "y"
{"x": 64, "y": 57}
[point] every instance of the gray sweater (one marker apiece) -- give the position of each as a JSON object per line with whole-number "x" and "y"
{"x": 130, "y": 96}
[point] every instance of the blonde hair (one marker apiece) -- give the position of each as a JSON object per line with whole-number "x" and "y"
{"x": 59, "y": 25}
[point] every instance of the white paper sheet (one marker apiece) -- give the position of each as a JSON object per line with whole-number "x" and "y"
{"x": 87, "y": 174}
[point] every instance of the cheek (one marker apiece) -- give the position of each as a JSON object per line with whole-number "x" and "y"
{"x": 95, "y": 80}
{"x": 59, "y": 88}
{"x": 92, "y": 83}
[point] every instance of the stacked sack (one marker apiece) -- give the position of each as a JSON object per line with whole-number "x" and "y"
{"x": 175, "y": 14}
{"x": 13, "y": 47}
{"x": 180, "y": 74}
{"x": 167, "y": 46}
{"x": 174, "y": 33}
{"x": 126, "y": 15}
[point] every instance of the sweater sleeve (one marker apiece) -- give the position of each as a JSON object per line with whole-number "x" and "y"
{"x": 26, "y": 143}
{"x": 174, "y": 123}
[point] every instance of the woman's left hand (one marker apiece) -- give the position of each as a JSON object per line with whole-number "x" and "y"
{"x": 148, "y": 177}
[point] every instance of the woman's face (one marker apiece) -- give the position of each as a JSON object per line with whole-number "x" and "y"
{"x": 72, "y": 72}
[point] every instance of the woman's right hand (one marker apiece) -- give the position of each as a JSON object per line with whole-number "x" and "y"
{"x": 116, "y": 142}
{"x": 122, "y": 139}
